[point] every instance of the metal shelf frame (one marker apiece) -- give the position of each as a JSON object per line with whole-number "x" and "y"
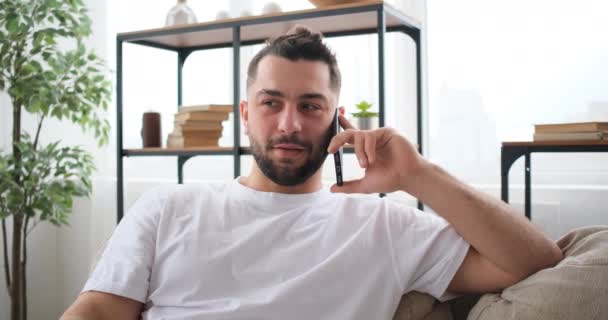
{"x": 405, "y": 25}
{"x": 512, "y": 151}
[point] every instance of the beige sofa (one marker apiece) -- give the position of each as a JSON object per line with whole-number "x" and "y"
{"x": 576, "y": 288}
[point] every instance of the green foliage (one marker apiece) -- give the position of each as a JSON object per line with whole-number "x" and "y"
{"x": 363, "y": 107}
{"x": 65, "y": 84}
{"x": 51, "y": 177}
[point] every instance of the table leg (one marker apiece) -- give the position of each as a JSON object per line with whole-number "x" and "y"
{"x": 181, "y": 160}
{"x": 528, "y": 191}
{"x": 504, "y": 182}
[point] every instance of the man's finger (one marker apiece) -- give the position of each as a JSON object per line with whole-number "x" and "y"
{"x": 360, "y": 149}
{"x": 340, "y": 139}
{"x": 345, "y": 123}
{"x": 353, "y": 186}
{"x": 370, "y": 148}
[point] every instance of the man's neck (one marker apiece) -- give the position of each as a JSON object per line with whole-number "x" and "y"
{"x": 258, "y": 181}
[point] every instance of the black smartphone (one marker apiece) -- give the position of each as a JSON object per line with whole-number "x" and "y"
{"x": 335, "y": 127}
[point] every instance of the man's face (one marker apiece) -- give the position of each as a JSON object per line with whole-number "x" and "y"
{"x": 287, "y": 118}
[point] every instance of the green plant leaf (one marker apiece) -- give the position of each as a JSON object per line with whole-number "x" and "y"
{"x": 363, "y": 107}
{"x": 12, "y": 23}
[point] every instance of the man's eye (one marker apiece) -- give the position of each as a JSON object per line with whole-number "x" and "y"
{"x": 310, "y": 107}
{"x": 270, "y": 103}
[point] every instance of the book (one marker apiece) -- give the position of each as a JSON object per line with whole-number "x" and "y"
{"x": 554, "y": 136}
{"x": 203, "y": 128}
{"x": 178, "y": 143}
{"x": 197, "y": 134}
{"x": 174, "y": 141}
{"x": 226, "y": 108}
{"x": 571, "y": 127}
{"x": 198, "y": 123}
{"x": 201, "y": 116}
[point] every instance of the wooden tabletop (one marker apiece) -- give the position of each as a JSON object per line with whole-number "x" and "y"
{"x": 555, "y": 143}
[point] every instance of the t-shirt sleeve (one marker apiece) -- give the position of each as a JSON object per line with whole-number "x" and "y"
{"x": 428, "y": 251}
{"x": 125, "y": 265}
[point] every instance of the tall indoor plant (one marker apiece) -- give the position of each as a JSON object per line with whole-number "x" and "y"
{"x": 38, "y": 181}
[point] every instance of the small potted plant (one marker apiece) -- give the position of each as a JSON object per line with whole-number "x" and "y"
{"x": 365, "y": 119}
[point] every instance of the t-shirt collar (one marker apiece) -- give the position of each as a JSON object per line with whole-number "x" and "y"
{"x": 277, "y": 199}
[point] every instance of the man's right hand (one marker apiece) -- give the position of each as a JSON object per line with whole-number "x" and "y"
{"x": 391, "y": 162}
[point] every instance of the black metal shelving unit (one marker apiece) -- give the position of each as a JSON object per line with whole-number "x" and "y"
{"x": 375, "y": 17}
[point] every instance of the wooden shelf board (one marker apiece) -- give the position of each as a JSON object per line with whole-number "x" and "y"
{"x": 197, "y": 150}
{"x": 261, "y": 27}
{"x": 174, "y": 151}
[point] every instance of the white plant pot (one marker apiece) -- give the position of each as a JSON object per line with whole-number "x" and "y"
{"x": 366, "y": 123}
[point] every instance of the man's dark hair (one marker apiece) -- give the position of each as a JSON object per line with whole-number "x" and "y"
{"x": 298, "y": 43}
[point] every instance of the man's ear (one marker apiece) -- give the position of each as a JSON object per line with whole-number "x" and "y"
{"x": 244, "y": 116}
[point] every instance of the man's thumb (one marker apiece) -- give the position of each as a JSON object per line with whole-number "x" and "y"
{"x": 353, "y": 186}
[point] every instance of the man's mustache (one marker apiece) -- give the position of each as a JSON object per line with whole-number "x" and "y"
{"x": 293, "y": 139}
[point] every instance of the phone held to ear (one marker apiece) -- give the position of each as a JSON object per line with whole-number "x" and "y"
{"x": 338, "y": 155}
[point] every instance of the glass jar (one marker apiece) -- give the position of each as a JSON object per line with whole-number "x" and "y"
{"x": 180, "y": 14}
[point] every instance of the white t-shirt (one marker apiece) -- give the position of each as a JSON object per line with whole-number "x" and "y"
{"x": 225, "y": 251}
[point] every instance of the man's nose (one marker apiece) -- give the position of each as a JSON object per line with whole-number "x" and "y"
{"x": 289, "y": 120}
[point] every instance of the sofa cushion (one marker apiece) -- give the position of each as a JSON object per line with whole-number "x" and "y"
{"x": 421, "y": 306}
{"x": 576, "y": 288}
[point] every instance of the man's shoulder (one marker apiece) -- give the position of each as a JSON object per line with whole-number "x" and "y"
{"x": 159, "y": 200}
{"x": 162, "y": 194}
{"x": 172, "y": 191}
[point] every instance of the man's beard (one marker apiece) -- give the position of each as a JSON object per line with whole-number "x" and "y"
{"x": 289, "y": 175}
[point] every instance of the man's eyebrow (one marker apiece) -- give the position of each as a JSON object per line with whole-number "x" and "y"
{"x": 277, "y": 93}
{"x": 270, "y": 92}
{"x": 313, "y": 96}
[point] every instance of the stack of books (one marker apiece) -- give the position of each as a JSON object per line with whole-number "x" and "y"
{"x": 571, "y": 131}
{"x": 198, "y": 126}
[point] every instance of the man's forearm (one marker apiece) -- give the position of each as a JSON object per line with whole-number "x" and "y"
{"x": 72, "y": 317}
{"x": 94, "y": 305}
{"x": 492, "y": 227}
